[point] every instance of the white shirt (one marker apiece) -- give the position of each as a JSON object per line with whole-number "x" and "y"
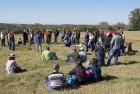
{"x": 10, "y": 66}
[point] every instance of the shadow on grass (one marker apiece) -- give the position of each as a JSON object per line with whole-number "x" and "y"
{"x": 133, "y": 52}
{"x": 108, "y": 77}
{"x": 104, "y": 78}
{"x": 129, "y": 63}
{"x": 89, "y": 53}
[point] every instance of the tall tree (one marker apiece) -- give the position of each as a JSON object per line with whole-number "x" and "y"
{"x": 134, "y": 19}
{"x": 119, "y": 25}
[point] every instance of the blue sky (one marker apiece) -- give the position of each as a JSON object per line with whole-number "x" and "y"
{"x": 66, "y": 11}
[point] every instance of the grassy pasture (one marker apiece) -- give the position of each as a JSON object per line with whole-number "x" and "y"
{"x": 121, "y": 79}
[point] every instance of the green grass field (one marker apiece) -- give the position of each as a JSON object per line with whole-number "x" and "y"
{"x": 121, "y": 79}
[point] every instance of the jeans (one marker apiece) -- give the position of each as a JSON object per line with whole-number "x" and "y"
{"x": 77, "y": 40}
{"x": 83, "y": 58}
{"x": 71, "y": 59}
{"x": 55, "y": 39}
{"x": 52, "y": 89}
{"x": 9, "y": 44}
{"x": 12, "y": 46}
{"x": 115, "y": 53}
{"x": 39, "y": 46}
{"x": 86, "y": 45}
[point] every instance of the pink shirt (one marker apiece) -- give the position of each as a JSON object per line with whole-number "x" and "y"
{"x": 10, "y": 66}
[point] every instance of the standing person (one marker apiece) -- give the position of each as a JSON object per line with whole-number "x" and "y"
{"x": 31, "y": 37}
{"x": 122, "y": 42}
{"x": 86, "y": 37}
{"x": 9, "y": 35}
{"x": 100, "y": 54}
{"x": 74, "y": 37}
{"x": 79, "y": 72}
{"x": 77, "y": 37}
{"x": 48, "y": 36}
{"x": 38, "y": 41}
{"x": 56, "y": 34}
{"x": 115, "y": 48}
{"x": 96, "y": 37}
{"x": 55, "y": 80}
{"x": 25, "y": 37}
{"x": 12, "y": 41}
{"x": 42, "y": 34}
{"x": 62, "y": 35}
{"x": 91, "y": 41}
{"x": 3, "y": 39}
{"x": 107, "y": 41}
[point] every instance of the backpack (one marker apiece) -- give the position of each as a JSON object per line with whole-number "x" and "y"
{"x": 71, "y": 80}
{"x": 89, "y": 73}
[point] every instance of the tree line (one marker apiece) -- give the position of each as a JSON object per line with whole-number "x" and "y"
{"x": 134, "y": 25}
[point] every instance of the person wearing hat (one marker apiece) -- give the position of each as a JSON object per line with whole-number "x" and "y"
{"x": 55, "y": 80}
{"x": 12, "y": 66}
{"x": 74, "y": 57}
{"x": 107, "y": 41}
{"x": 83, "y": 54}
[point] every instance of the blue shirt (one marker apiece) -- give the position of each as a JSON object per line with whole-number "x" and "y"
{"x": 38, "y": 38}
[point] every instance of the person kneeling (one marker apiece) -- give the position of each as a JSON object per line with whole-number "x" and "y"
{"x": 56, "y": 80}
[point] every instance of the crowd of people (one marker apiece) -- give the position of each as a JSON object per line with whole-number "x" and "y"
{"x": 98, "y": 42}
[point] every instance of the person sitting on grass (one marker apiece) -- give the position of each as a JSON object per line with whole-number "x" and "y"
{"x": 55, "y": 80}
{"x": 12, "y": 67}
{"x": 93, "y": 71}
{"x": 80, "y": 73}
{"x": 74, "y": 57}
{"x": 48, "y": 55}
{"x": 83, "y": 54}
{"x": 19, "y": 41}
{"x": 67, "y": 41}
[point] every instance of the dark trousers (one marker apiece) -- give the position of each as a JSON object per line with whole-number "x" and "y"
{"x": 62, "y": 38}
{"x": 24, "y": 41}
{"x": 86, "y": 45}
{"x": 3, "y": 42}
